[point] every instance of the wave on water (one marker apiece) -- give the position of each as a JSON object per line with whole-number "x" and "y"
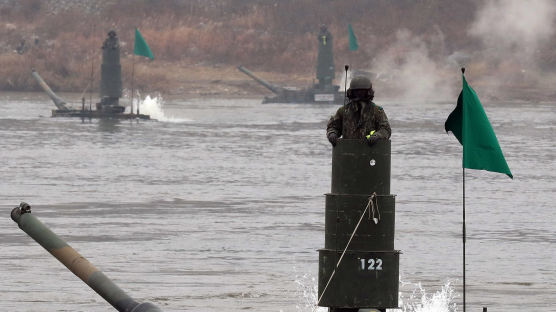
{"x": 419, "y": 301}
{"x": 153, "y": 106}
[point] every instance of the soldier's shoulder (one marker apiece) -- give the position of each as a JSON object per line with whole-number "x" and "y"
{"x": 339, "y": 113}
{"x": 378, "y": 106}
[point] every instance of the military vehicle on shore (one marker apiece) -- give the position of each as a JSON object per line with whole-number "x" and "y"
{"x": 321, "y": 92}
{"x": 110, "y": 89}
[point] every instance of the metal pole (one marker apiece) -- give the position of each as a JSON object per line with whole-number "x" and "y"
{"x": 464, "y": 239}
{"x": 345, "y": 84}
{"x": 132, "y": 81}
{"x": 92, "y": 71}
{"x": 463, "y": 229}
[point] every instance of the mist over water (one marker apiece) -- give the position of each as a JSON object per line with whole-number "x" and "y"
{"x": 513, "y": 39}
{"x": 514, "y": 35}
{"x": 407, "y": 66}
{"x": 514, "y": 28}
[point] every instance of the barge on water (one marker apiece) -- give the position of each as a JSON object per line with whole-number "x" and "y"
{"x": 110, "y": 89}
{"x": 87, "y": 113}
{"x": 321, "y": 92}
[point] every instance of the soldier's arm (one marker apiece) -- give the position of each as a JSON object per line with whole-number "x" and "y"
{"x": 335, "y": 123}
{"x": 382, "y": 125}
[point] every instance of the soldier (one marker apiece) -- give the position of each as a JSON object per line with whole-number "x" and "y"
{"x": 325, "y": 58}
{"x": 360, "y": 118}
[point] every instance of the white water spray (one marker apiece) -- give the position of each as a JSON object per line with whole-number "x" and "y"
{"x": 439, "y": 301}
{"x": 308, "y": 292}
{"x": 154, "y": 107}
{"x": 419, "y": 301}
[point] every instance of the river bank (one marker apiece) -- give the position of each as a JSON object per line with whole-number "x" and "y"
{"x": 225, "y": 80}
{"x": 186, "y": 80}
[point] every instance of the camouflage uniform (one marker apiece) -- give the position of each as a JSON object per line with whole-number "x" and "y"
{"x": 357, "y": 119}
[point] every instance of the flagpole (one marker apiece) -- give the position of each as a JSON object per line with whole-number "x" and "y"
{"x": 132, "y": 81}
{"x": 463, "y": 227}
{"x": 463, "y": 239}
{"x": 140, "y": 48}
{"x": 470, "y": 125}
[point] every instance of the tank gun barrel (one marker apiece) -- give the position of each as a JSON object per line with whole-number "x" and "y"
{"x": 61, "y": 104}
{"x": 76, "y": 263}
{"x": 263, "y": 82}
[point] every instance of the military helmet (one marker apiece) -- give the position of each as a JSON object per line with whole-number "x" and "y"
{"x": 360, "y": 82}
{"x": 360, "y": 88}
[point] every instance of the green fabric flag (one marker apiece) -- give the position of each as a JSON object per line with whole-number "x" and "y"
{"x": 353, "y": 46}
{"x": 469, "y": 124}
{"x": 141, "y": 47}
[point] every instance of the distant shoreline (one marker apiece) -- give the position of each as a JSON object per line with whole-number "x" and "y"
{"x": 224, "y": 81}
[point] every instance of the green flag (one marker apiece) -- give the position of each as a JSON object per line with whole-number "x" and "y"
{"x": 469, "y": 124}
{"x": 353, "y": 46}
{"x": 141, "y": 47}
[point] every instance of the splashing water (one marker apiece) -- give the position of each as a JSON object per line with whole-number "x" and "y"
{"x": 307, "y": 290}
{"x": 153, "y": 107}
{"x": 419, "y": 301}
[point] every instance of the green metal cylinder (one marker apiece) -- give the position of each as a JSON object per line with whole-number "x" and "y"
{"x": 360, "y": 169}
{"x": 76, "y": 263}
{"x": 364, "y": 279}
{"x": 325, "y": 58}
{"x": 367, "y": 275}
{"x": 110, "y": 69}
{"x": 344, "y": 211}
